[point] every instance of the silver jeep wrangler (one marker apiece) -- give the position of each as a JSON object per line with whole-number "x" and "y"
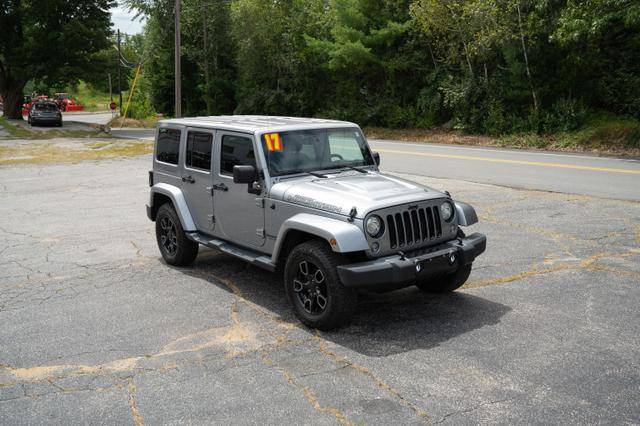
{"x": 304, "y": 196}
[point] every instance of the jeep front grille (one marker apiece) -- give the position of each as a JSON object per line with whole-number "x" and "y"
{"x": 414, "y": 227}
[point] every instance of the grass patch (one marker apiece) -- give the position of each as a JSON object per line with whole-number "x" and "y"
{"x": 14, "y": 131}
{"x": 18, "y": 131}
{"x": 42, "y": 152}
{"x": 92, "y": 99}
{"x": 604, "y": 131}
{"x": 602, "y": 134}
{"x": 131, "y": 122}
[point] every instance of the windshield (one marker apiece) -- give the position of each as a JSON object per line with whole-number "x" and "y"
{"x": 46, "y": 107}
{"x": 312, "y": 150}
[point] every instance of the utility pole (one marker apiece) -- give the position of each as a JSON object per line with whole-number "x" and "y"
{"x": 178, "y": 88}
{"x": 119, "y": 74}
{"x": 110, "y": 90}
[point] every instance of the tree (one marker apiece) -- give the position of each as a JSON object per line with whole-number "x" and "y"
{"x": 53, "y": 41}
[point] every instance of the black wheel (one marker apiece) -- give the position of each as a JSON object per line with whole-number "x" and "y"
{"x": 60, "y": 123}
{"x": 175, "y": 247}
{"x": 445, "y": 283}
{"x": 314, "y": 289}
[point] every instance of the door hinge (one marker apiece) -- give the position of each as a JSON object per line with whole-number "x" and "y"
{"x": 260, "y": 232}
{"x": 210, "y": 190}
{"x": 211, "y": 218}
{"x": 260, "y": 203}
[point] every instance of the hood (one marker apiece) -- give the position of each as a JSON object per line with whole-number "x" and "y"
{"x": 341, "y": 192}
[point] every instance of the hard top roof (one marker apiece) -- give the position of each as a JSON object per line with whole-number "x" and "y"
{"x": 257, "y": 123}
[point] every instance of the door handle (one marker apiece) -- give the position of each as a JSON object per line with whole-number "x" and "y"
{"x": 220, "y": 187}
{"x": 189, "y": 179}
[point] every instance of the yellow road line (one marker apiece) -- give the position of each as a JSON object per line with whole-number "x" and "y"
{"x": 521, "y": 162}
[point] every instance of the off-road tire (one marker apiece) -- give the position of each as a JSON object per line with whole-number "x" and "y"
{"x": 181, "y": 251}
{"x": 445, "y": 283}
{"x": 340, "y": 301}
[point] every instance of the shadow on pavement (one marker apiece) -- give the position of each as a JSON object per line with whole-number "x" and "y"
{"x": 383, "y": 324}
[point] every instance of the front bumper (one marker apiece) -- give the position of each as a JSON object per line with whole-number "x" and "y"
{"x": 398, "y": 271}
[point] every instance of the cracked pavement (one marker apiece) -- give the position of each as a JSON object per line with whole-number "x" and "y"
{"x": 97, "y": 329}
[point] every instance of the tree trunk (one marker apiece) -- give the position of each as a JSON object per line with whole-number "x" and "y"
{"x": 12, "y": 98}
{"x": 526, "y": 60}
{"x": 205, "y": 48}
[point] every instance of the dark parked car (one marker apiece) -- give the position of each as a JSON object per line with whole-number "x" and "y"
{"x": 45, "y": 113}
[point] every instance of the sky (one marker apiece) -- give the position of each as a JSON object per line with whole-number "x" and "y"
{"x": 123, "y": 20}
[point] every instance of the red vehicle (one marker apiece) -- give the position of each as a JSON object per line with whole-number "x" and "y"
{"x": 66, "y": 102}
{"x": 26, "y": 105}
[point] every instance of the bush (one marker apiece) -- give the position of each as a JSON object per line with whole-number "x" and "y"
{"x": 496, "y": 123}
{"x": 140, "y": 108}
{"x": 565, "y": 115}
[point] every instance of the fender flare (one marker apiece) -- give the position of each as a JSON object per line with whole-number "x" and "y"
{"x": 466, "y": 215}
{"x": 349, "y": 237}
{"x": 179, "y": 203}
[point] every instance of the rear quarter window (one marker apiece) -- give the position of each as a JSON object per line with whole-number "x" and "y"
{"x": 168, "y": 145}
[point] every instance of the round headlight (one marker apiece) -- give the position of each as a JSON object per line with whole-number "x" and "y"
{"x": 446, "y": 211}
{"x": 374, "y": 226}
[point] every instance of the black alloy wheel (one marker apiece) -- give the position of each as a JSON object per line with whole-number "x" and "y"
{"x": 310, "y": 287}
{"x": 313, "y": 286}
{"x": 175, "y": 247}
{"x": 168, "y": 236}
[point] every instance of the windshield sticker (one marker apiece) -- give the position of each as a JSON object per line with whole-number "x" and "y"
{"x": 310, "y": 202}
{"x": 274, "y": 142}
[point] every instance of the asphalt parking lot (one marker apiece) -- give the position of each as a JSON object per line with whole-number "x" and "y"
{"x": 97, "y": 329}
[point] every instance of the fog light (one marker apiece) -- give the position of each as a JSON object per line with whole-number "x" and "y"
{"x": 375, "y": 247}
{"x": 452, "y": 258}
{"x": 418, "y": 267}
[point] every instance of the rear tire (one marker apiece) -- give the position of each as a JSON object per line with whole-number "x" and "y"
{"x": 175, "y": 247}
{"x": 445, "y": 283}
{"x": 314, "y": 289}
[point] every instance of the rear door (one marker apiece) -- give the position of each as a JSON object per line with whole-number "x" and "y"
{"x": 197, "y": 177}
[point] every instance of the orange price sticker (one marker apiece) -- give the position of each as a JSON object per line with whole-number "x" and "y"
{"x": 274, "y": 141}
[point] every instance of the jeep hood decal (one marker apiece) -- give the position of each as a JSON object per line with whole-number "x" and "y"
{"x": 340, "y": 193}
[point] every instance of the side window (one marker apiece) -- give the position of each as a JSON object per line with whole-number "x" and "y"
{"x": 168, "y": 145}
{"x": 199, "y": 150}
{"x": 236, "y": 151}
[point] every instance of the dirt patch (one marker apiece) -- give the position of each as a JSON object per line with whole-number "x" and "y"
{"x": 70, "y": 150}
{"x": 118, "y": 122}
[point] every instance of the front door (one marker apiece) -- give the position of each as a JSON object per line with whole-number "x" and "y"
{"x": 239, "y": 215}
{"x": 196, "y": 177}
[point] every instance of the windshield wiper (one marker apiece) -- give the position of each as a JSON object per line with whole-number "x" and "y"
{"x": 293, "y": 172}
{"x": 356, "y": 168}
{"x": 320, "y": 175}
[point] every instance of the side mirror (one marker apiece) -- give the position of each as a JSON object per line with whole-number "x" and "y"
{"x": 376, "y": 158}
{"x": 244, "y": 174}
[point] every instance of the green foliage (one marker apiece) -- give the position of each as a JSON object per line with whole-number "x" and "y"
{"x": 53, "y": 41}
{"x": 89, "y": 96}
{"x": 497, "y": 67}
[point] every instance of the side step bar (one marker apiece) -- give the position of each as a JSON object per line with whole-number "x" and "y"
{"x": 255, "y": 258}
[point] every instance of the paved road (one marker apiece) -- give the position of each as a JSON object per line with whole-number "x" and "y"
{"x": 133, "y": 133}
{"x": 88, "y": 117}
{"x": 567, "y": 173}
{"x": 97, "y": 329}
